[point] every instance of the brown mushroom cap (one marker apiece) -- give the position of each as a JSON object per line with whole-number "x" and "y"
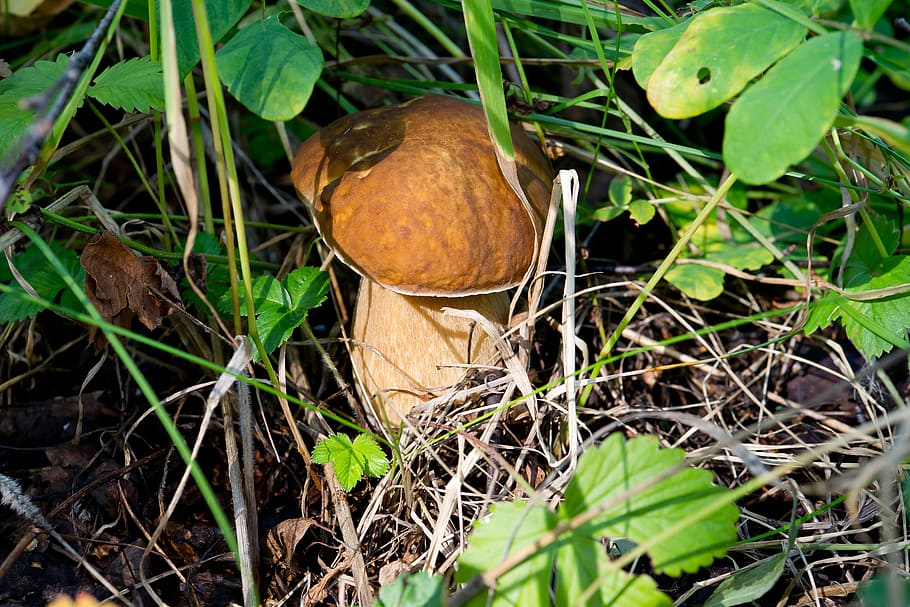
{"x": 411, "y": 197}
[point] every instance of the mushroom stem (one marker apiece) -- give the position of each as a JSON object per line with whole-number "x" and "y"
{"x": 407, "y": 351}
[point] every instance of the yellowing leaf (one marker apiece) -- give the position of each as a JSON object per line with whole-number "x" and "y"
{"x": 719, "y": 53}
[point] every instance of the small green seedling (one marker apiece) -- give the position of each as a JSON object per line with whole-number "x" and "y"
{"x": 351, "y": 459}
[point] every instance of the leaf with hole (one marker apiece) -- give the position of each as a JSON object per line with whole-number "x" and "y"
{"x": 779, "y": 120}
{"x": 270, "y": 69}
{"x": 717, "y": 56}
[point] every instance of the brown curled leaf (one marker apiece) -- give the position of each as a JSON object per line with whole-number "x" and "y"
{"x": 123, "y": 285}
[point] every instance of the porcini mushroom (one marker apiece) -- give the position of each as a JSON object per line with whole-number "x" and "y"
{"x": 412, "y": 198}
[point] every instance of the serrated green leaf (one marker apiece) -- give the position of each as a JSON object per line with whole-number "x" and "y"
{"x": 717, "y": 55}
{"x": 339, "y": 9}
{"x": 134, "y": 85}
{"x": 620, "y": 190}
{"x": 412, "y": 590}
{"x": 375, "y": 463}
{"x": 270, "y": 69}
{"x": 222, "y": 16}
{"x": 510, "y": 526}
{"x": 307, "y": 287}
{"x": 282, "y": 306}
{"x": 867, "y": 12}
{"x": 618, "y": 465}
{"x": 780, "y": 119}
{"x": 749, "y": 583}
{"x": 697, "y": 281}
{"x": 24, "y": 83}
{"x": 641, "y": 211}
{"x": 351, "y": 459}
{"x": 33, "y": 266}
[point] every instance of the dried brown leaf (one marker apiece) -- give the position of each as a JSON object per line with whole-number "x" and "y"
{"x": 123, "y": 285}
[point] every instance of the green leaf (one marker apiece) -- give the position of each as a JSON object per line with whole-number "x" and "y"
{"x": 282, "y": 306}
{"x": 607, "y": 213}
{"x": 375, "y": 462}
{"x": 33, "y": 266}
{"x": 134, "y": 85}
{"x": 582, "y": 563}
{"x": 412, "y": 590}
{"x": 270, "y": 69}
{"x": 621, "y": 190}
{"x": 222, "y": 16}
{"x": 641, "y": 211}
{"x": 618, "y": 465}
{"x": 339, "y": 9}
{"x": 351, "y": 460}
{"x": 780, "y": 120}
{"x": 697, "y": 281}
{"x": 719, "y": 53}
{"x": 509, "y": 527}
{"x": 867, "y": 12}
{"x": 651, "y": 49}
{"x": 749, "y": 583}
{"x": 307, "y": 287}
{"x": 24, "y": 83}
{"x": 874, "y": 326}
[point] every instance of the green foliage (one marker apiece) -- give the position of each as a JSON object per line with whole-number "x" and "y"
{"x": 620, "y": 194}
{"x": 715, "y": 58}
{"x": 874, "y": 324}
{"x": 282, "y": 305}
{"x": 617, "y": 491}
{"x": 133, "y": 85}
{"x": 779, "y": 120}
{"x": 351, "y": 460}
{"x": 222, "y": 16}
{"x": 417, "y": 590}
{"x": 47, "y": 283}
{"x": 339, "y": 9}
{"x": 749, "y": 583}
{"x": 23, "y": 84}
{"x": 270, "y": 69}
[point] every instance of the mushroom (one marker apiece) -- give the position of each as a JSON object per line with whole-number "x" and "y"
{"x": 412, "y": 198}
